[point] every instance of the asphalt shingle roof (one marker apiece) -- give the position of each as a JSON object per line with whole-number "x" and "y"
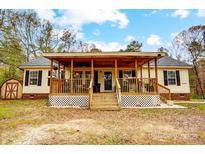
{"x": 164, "y": 61}
{"x": 38, "y": 62}
{"x": 169, "y": 61}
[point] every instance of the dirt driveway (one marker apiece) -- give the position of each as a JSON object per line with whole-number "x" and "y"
{"x": 32, "y": 122}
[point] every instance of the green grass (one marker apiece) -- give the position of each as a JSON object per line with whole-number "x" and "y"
{"x": 193, "y": 106}
{"x": 198, "y": 100}
{"x": 6, "y": 113}
{"x": 78, "y": 126}
{"x": 23, "y": 103}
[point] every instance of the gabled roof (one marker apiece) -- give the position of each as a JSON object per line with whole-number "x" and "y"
{"x": 171, "y": 62}
{"x": 166, "y": 61}
{"x": 39, "y": 62}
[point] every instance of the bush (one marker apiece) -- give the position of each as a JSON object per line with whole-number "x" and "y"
{"x": 194, "y": 96}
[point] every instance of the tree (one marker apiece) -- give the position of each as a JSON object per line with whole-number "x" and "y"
{"x": 68, "y": 40}
{"x": 83, "y": 47}
{"x": 163, "y": 49}
{"x": 192, "y": 41}
{"x": 49, "y": 38}
{"x": 133, "y": 46}
{"x": 36, "y": 35}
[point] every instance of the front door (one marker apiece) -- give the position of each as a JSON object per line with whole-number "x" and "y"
{"x": 107, "y": 80}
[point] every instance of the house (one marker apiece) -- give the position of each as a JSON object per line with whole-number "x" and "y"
{"x": 106, "y": 79}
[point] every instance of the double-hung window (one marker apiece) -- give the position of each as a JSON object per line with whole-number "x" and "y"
{"x": 171, "y": 77}
{"x": 33, "y": 78}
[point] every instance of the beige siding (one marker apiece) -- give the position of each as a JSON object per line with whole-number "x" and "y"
{"x": 44, "y": 88}
{"x": 184, "y": 79}
{"x": 183, "y": 88}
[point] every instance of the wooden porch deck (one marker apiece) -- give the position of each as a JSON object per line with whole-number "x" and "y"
{"x": 73, "y": 88}
{"x": 125, "y": 88}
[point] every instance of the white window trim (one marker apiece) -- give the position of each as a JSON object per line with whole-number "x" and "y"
{"x": 30, "y": 78}
{"x": 168, "y": 78}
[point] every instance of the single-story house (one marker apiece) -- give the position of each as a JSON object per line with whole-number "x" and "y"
{"x": 106, "y": 79}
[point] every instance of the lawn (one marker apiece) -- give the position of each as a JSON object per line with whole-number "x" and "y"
{"x": 33, "y": 122}
{"x": 193, "y": 106}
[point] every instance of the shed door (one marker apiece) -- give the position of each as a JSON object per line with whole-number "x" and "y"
{"x": 11, "y": 90}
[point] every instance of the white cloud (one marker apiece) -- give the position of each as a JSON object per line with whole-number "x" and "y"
{"x": 129, "y": 38}
{"x": 46, "y": 14}
{"x": 109, "y": 46}
{"x": 79, "y": 35}
{"x": 201, "y": 13}
{"x": 96, "y": 32}
{"x": 181, "y": 13}
{"x": 78, "y": 18}
{"x": 153, "y": 40}
{"x": 151, "y": 13}
{"x": 174, "y": 34}
{"x": 154, "y": 12}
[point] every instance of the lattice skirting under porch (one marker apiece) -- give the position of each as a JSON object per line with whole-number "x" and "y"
{"x": 140, "y": 100}
{"x": 72, "y": 101}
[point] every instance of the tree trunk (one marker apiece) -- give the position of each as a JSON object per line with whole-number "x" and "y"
{"x": 199, "y": 81}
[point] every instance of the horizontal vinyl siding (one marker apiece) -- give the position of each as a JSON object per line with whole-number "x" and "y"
{"x": 44, "y": 88}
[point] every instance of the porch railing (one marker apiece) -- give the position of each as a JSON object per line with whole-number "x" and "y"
{"x": 118, "y": 90}
{"x": 64, "y": 85}
{"x": 145, "y": 85}
{"x": 90, "y": 89}
{"x": 164, "y": 92}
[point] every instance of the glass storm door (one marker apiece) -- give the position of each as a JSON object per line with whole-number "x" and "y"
{"x": 107, "y": 80}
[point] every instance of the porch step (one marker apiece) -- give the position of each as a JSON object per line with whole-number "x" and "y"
{"x": 106, "y": 108}
{"x": 104, "y": 101}
{"x": 105, "y": 104}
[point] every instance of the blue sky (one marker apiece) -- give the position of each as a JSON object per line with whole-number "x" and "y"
{"x": 114, "y": 29}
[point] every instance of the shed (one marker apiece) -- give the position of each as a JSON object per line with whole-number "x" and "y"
{"x": 11, "y": 89}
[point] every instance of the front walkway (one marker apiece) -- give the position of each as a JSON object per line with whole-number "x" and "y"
{"x": 162, "y": 106}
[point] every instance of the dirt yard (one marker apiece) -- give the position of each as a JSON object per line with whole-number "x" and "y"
{"x": 32, "y": 122}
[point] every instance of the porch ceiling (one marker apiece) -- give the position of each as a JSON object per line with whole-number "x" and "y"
{"x": 106, "y": 59}
{"x": 102, "y": 62}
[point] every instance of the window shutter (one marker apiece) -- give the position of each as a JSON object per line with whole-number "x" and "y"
{"x": 48, "y": 78}
{"x": 165, "y": 78}
{"x": 39, "y": 78}
{"x": 26, "y": 78}
{"x": 133, "y": 73}
{"x": 178, "y": 78}
{"x": 62, "y": 75}
{"x": 120, "y": 74}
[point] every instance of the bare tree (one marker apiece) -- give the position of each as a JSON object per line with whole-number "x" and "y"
{"x": 192, "y": 41}
{"x": 68, "y": 40}
{"x": 83, "y": 47}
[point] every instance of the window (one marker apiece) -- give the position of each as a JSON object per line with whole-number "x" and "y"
{"x": 33, "y": 78}
{"x": 127, "y": 74}
{"x": 77, "y": 74}
{"x": 171, "y": 77}
{"x": 87, "y": 74}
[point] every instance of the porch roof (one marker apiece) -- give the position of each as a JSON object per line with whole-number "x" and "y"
{"x": 103, "y": 55}
{"x": 104, "y": 59}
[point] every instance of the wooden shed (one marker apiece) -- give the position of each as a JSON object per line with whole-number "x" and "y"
{"x": 11, "y": 89}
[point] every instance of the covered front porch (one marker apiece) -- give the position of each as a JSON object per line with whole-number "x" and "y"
{"x": 78, "y": 77}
